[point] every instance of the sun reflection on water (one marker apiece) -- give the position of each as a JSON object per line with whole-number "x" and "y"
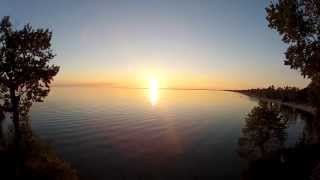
{"x": 153, "y": 90}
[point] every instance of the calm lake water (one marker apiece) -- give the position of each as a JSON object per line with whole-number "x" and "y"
{"x": 134, "y": 133}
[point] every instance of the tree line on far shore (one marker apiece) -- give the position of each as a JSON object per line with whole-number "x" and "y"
{"x": 284, "y": 94}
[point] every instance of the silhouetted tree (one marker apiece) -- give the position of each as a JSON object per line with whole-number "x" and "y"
{"x": 25, "y": 72}
{"x": 298, "y": 22}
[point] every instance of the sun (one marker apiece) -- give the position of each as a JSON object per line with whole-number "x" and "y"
{"x": 153, "y": 88}
{"x": 153, "y": 84}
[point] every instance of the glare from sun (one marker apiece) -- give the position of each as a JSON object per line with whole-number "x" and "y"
{"x": 153, "y": 84}
{"x": 153, "y": 88}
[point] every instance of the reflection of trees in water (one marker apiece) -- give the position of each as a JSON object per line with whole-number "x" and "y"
{"x": 263, "y": 133}
{"x": 262, "y": 144}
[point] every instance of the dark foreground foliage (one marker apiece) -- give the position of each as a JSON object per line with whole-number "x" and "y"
{"x": 31, "y": 159}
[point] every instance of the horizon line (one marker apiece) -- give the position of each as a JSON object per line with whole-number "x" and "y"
{"x": 128, "y": 87}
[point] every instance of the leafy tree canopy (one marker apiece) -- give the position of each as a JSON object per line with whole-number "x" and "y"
{"x": 25, "y": 72}
{"x": 298, "y": 22}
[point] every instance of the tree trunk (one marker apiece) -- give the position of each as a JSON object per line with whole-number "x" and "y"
{"x": 262, "y": 150}
{"x": 317, "y": 125}
{"x": 17, "y": 131}
{"x": 318, "y": 113}
{"x": 15, "y": 112}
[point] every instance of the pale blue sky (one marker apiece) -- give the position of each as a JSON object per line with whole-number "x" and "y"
{"x": 213, "y": 43}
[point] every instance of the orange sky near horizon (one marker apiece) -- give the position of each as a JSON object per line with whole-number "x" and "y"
{"x": 187, "y": 80}
{"x": 183, "y": 44}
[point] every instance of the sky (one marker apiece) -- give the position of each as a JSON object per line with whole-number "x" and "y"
{"x": 218, "y": 44}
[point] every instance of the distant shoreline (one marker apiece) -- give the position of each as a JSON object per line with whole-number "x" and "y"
{"x": 303, "y": 107}
{"x": 120, "y": 87}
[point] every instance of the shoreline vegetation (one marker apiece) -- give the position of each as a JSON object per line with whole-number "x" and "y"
{"x": 31, "y": 158}
{"x": 288, "y": 96}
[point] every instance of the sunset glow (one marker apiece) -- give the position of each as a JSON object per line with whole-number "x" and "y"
{"x": 160, "y": 89}
{"x": 121, "y": 49}
{"x": 153, "y": 90}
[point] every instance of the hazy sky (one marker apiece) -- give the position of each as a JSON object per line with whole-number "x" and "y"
{"x": 182, "y": 43}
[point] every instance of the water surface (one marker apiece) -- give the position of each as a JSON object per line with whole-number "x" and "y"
{"x": 125, "y": 133}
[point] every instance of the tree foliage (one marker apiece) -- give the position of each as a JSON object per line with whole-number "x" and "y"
{"x": 25, "y": 72}
{"x": 298, "y": 22}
